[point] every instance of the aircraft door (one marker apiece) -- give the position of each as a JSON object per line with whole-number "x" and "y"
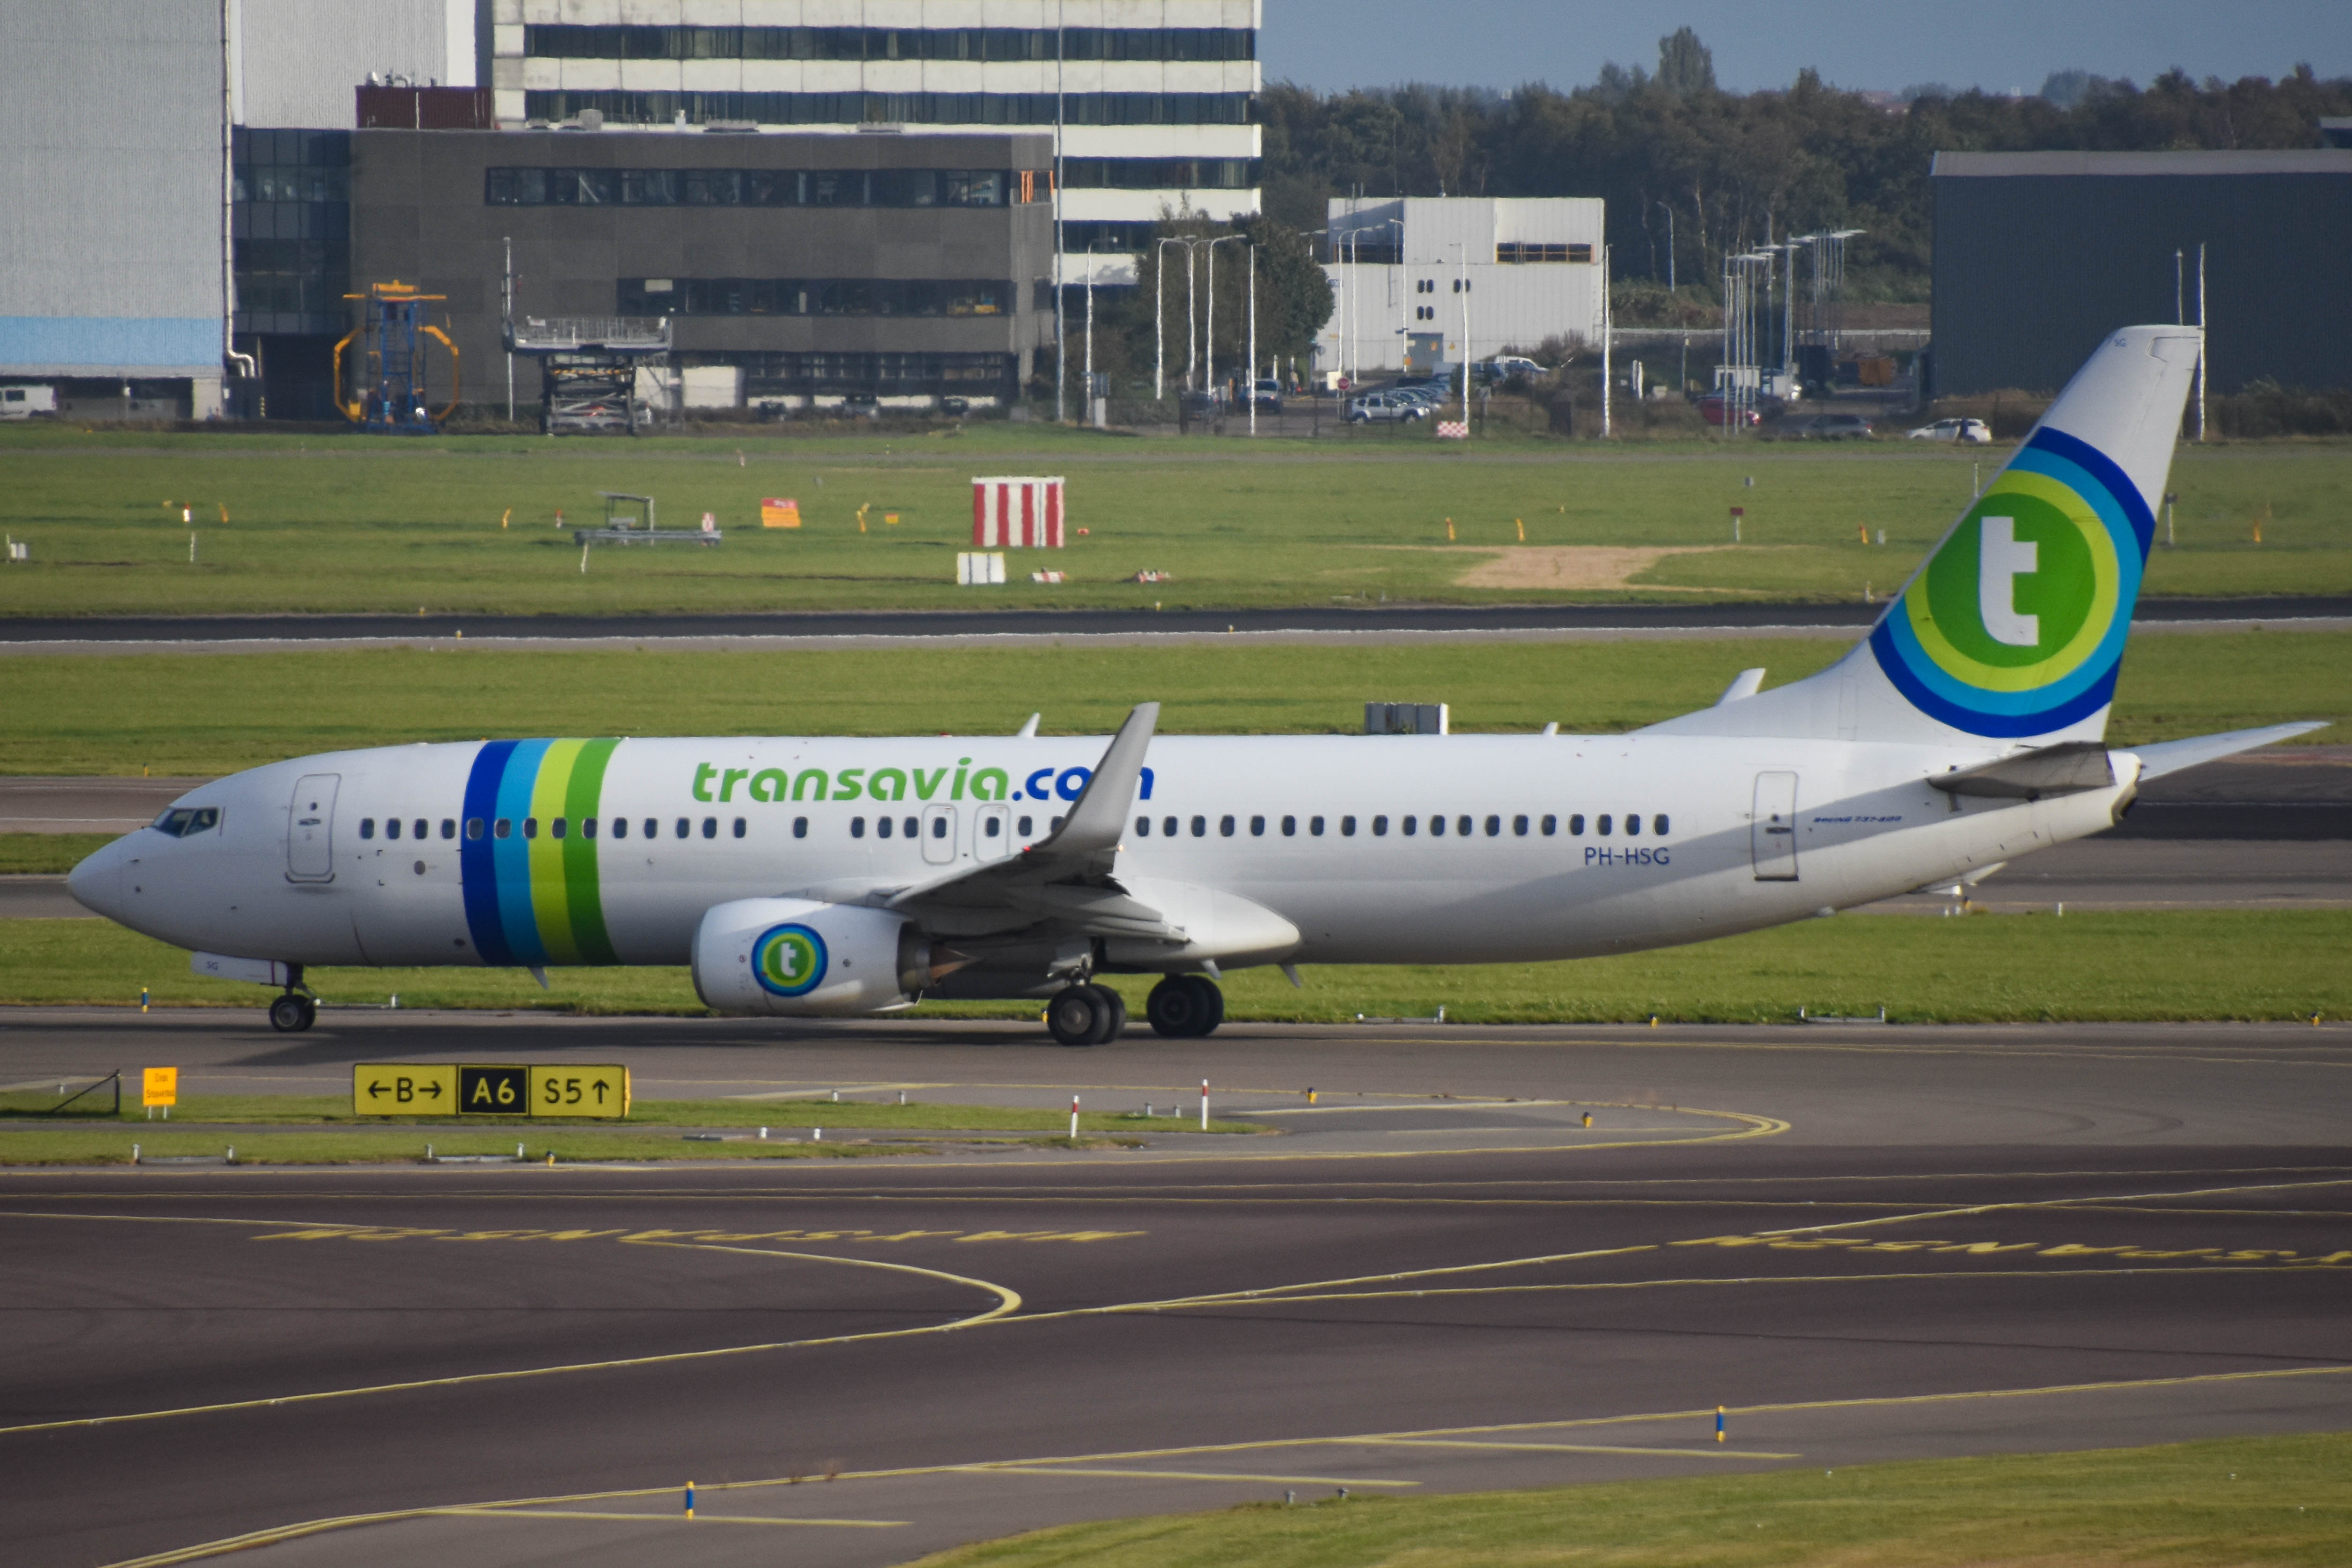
{"x": 311, "y": 828}
{"x": 940, "y": 834}
{"x": 1772, "y": 831}
{"x": 992, "y": 832}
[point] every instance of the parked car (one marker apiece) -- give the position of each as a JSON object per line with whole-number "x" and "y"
{"x": 1711, "y": 408}
{"x": 1503, "y": 367}
{"x": 861, "y": 405}
{"x": 1268, "y": 395}
{"x": 1829, "y": 427}
{"x": 957, "y": 406}
{"x": 1384, "y": 408}
{"x": 1966, "y": 432}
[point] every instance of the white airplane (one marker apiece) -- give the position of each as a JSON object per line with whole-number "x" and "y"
{"x": 832, "y": 877}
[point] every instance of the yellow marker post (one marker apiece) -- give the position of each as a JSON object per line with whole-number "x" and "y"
{"x": 1864, "y": 530}
{"x": 504, "y": 516}
{"x": 861, "y": 516}
{"x": 159, "y": 1086}
{"x": 1449, "y": 530}
{"x": 1718, "y": 1422}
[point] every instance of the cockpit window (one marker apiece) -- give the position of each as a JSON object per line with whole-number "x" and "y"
{"x": 182, "y": 822}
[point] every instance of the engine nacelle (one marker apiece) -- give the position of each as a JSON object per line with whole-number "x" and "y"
{"x": 798, "y": 958}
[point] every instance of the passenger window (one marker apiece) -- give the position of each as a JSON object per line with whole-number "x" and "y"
{"x": 1519, "y": 826}
{"x": 1057, "y": 826}
{"x": 1314, "y": 826}
{"x": 448, "y": 827}
{"x": 1550, "y": 824}
{"x": 367, "y": 827}
{"x": 503, "y": 828}
{"x": 653, "y": 828}
{"x": 1025, "y": 828}
{"x": 1463, "y": 826}
{"x": 882, "y": 828}
{"x": 800, "y": 826}
{"x": 989, "y": 826}
{"x": 1200, "y": 827}
{"x": 530, "y": 827}
{"x": 740, "y": 827}
{"x": 939, "y": 826}
{"x": 1494, "y": 827}
{"x": 1436, "y": 826}
{"x": 1142, "y": 827}
{"x": 710, "y": 827}
{"x": 473, "y": 827}
{"x": 416, "y": 829}
{"x": 1632, "y": 823}
{"x": 1225, "y": 827}
{"x": 1601, "y": 825}
{"x": 1658, "y": 825}
{"x": 555, "y": 827}
{"x": 1411, "y": 825}
{"x": 1379, "y": 827}
{"x": 856, "y": 827}
{"x": 587, "y": 827}
{"x": 1167, "y": 827}
{"x": 620, "y": 827}
{"x": 1257, "y": 827}
{"x": 1576, "y": 825}
{"x": 1289, "y": 826}
{"x": 685, "y": 829}
{"x": 391, "y": 827}
{"x": 1347, "y": 827}
{"x": 908, "y": 826}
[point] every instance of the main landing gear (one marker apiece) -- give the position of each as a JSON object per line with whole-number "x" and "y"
{"x": 294, "y": 1012}
{"x": 1085, "y": 1015}
{"x": 1185, "y": 1007}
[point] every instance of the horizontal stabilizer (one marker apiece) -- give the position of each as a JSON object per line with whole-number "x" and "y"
{"x": 2172, "y": 756}
{"x": 2066, "y": 768}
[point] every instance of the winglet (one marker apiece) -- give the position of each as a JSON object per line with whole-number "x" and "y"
{"x": 1099, "y": 814}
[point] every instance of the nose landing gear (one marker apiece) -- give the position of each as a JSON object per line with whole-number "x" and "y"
{"x": 1085, "y": 1015}
{"x": 295, "y": 1011}
{"x": 1185, "y": 1007}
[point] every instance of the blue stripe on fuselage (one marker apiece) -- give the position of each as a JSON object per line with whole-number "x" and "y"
{"x": 477, "y": 864}
{"x": 511, "y": 855}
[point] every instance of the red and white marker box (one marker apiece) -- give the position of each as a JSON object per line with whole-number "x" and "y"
{"x": 1016, "y": 513}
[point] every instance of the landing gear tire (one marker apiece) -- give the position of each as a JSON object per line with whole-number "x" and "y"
{"x": 1114, "y": 1011}
{"x": 1076, "y": 1017}
{"x": 291, "y": 1014}
{"x": 1185, "y": 1007}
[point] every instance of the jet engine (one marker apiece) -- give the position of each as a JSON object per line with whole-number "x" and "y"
{"x": 799, "y": 958}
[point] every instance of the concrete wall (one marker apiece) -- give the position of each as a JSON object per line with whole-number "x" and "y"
{"x": 113, "y": 185}
{"x": 298, "y": 61}
{"x": 2039, "y": 255}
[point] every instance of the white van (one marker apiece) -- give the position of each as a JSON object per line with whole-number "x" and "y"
{"x": 23, "y": 402}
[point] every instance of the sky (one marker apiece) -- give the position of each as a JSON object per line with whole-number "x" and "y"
{"x": 1997, "y": 45}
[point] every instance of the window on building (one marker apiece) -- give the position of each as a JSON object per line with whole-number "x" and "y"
{"x": 1516, "y": 252}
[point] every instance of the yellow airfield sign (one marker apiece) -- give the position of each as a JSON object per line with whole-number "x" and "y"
{"x": 479, "y": 1089}
{"x": 159, "y": 1086}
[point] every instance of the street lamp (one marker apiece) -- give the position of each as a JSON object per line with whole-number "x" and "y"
{"x": 1158, "y": 328}
{"x": 1210, "y": 247}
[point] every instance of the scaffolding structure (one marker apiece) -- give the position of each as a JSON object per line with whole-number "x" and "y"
{"x": 392, "y": 397}
{"x": 588, "y": 369}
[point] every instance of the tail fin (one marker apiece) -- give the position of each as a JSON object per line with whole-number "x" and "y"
{"x": 2010, "y": 632}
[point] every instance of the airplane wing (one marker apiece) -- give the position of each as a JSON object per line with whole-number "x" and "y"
{"x": 1065, "y": 878}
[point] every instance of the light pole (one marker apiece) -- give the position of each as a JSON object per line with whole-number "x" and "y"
{"x": 1250, "y": 381}
{"x": 1608, "y": 344}
{"x": 1462, "y": 285}
{"x": 1061, "y": 344}
{"x": 1159, "y": 317}
{"x": 1090, "y": 333}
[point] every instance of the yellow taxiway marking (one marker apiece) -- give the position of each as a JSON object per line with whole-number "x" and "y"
{"x": 1057, "y": 1467}
{"x": 1707, "y": 1453}
{"x": 1007, "y": 1302}
{"x": 493, "y": 1510}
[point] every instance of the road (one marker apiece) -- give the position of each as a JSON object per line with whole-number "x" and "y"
{"x": 1866, "y": 1243}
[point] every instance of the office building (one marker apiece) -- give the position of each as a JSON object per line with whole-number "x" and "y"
{"x": 1421, "y": 283}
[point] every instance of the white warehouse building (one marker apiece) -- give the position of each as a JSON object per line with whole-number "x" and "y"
{"x": 1532, "y": 269}
{"x": 1154, "y": 97}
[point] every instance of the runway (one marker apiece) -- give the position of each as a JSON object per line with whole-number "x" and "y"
{"x": 1865, "y": 1243}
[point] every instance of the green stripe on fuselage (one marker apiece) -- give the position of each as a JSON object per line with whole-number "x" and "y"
{"x": 550, "y": 863}
{"x": 582, "y": 891}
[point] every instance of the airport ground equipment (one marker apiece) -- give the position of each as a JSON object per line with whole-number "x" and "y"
{"x": 588, "y": 369}
{"x": 390, "y": 397}
{"x": 629, "y": 520}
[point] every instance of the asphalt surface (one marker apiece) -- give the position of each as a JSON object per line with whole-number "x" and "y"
{"x": 1866, "y": 1243}
{"x": 26, "y": 628}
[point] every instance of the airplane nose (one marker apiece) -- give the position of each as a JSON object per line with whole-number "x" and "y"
{"x": 97, "y": 882}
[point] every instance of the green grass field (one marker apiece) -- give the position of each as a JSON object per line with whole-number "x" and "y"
{"x": 2230, "y": 1503}
{"x": 205, "y": 716}
{"x": 353, "y": 523}
{"x": 2204, "y": 964}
